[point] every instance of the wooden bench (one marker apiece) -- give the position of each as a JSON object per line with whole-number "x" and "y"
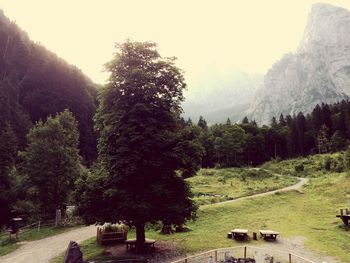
{"x": 268, "y": 234}
{"x": 131, "y": 243}
{"x": 239, "y": 234}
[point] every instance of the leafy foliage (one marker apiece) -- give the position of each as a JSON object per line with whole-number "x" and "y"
{"x": 51, "y": 162}
{"x": 8, "y": 153}
{"x": 141, "y": 145}
{"x": 326, "y": 129}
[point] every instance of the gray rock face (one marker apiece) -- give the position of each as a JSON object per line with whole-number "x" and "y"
{"x": 319, "y": 71}
{"x": 73, "y": 253}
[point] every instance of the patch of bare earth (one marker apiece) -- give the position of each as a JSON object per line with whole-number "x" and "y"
{"x": 165, "y": 251}
{"x": 296, "y": 246}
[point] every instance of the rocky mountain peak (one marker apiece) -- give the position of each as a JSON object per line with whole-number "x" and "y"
{"x": 327, "y": 25}
{"x": 319, "y": 71}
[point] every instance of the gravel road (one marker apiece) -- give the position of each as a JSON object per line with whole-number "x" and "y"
{"x": 41, "y": 251}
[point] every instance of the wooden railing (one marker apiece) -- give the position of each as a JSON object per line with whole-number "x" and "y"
{"x": 220, "y": 254}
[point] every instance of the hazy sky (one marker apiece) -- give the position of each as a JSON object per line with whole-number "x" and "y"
{"x": 222, "y": 35}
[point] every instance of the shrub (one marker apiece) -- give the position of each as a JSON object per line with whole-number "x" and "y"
{"x": 336, "y": 164}
{"x": 347, "y": 159}
{"x": 222, "y": 180}
{"x": 254, "y": 174}
{"x": 328, "y": 163}
{"x": 108, "y": 228}
{"x": 72, "y": 221}
{"x": 218, "y": 166}
{"x": 299, "y": 167}
{"x": 208, "y": 172}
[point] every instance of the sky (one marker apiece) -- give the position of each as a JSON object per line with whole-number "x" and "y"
{"x": 241, "y": 35}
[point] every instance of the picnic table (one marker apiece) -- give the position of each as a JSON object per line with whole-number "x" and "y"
{"x": 241, "y": 234}
{"x": 268, "y": 234}
{"x": 345, "y": 217}
{"x": 131, "y": 243}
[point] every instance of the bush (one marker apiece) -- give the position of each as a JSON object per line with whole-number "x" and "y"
{"x": 328, "y": 163}
{"x": 347, "y": 159}
{"x": 72, "y": 221}
{"x": 254, "y": 174}
{"x": 336, "y": 164}
{"x": 218, "y": 166}
{"x": 108, "y": 228}
{"x": 339, "y": 167}
{"x": 208, "y": 172}
{"x": 222, "y": 180}
{"x": 299, "y": 167}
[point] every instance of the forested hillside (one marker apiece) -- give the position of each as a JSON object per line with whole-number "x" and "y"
{"x": 326, "y": 129}
{"x": 35, "y": 83}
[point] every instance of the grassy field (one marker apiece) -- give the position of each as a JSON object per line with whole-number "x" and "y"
{"x": 309, "y": 213}
{"x": 215, "y": 185}
{"x": 7, "y": 245}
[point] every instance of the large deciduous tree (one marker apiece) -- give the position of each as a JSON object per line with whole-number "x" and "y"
{"x": 51, "y": 161}
{"x": 141, "y": 143}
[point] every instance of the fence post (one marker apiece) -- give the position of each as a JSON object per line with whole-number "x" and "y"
{"x": 58, "y": 217}
{"x": 39, "y": 225}
{"x": 290, "y": 258}
{"x": 245, "y": 252}
{"x": 216, "y": 255}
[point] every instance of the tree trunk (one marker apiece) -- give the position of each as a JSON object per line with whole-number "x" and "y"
{"x": 166, "y": 229}
{"x": 140, "y": 235}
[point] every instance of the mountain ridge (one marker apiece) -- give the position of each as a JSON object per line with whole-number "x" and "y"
{"x": 35, "y": 83}
{"x": 318, "y": 72}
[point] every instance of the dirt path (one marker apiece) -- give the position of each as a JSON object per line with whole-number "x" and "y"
{"x": 296, "y": 246}
{"x": 297, "y": 186}
{"x": 41, "y": 251}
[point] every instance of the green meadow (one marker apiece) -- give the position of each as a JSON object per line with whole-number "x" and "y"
{"x": 216, "y": 185}
{"x": 309, "y": 212}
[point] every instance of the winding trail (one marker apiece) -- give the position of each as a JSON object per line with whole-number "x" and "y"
{"x": 43, "y": 250}
{"x": 297, "y": 186}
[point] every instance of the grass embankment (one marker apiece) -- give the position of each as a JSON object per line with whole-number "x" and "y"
{"x": 217, "y": 185}
{"x": 92, "y": 250}
{"x": 309, "y": 213}
{"x": 8, "y": 245}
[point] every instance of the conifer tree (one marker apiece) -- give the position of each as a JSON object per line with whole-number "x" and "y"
{"x": 202, "y": 123}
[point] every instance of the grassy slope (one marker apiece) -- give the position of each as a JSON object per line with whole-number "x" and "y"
{"x": 234, "y": 183}
{"x": 310, "y": 213}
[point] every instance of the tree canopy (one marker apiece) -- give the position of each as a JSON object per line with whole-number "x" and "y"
{"x": 141, "y": 143}
{"x": 51, "y": 162}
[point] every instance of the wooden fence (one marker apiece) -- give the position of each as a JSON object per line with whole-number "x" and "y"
{"x": 261, "y": 254}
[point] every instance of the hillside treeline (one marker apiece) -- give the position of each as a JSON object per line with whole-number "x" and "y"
{"x": 35, "y": 83}
{"x": 325, "y": 129}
